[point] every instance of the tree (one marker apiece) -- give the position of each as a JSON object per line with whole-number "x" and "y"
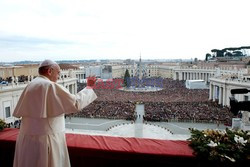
{"x": 208, "y": 55}
{"x": 127, "y": 78}
{"x": 237, "y": 53}
{"x": 228, "y": 54}
{"x": 234, "y": 51}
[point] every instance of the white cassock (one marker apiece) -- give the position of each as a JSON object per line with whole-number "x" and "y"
{"x": 41, "y": 141}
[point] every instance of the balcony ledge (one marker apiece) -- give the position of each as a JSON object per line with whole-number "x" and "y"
{"x": 88, "y": 150}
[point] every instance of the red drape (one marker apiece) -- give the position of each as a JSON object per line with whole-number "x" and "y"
{"x": 92, "y": 151}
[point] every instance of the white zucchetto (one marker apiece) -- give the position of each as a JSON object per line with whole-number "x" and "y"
{"x": 47, "y": 63}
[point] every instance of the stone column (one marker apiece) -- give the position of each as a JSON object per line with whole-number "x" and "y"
{"x": 220, "y": 95}
{"x": 180, "y": 76}
{"x": 75, "y": 86}
{"x": 224, "y": 96}
{"x": 177, "y": 76}
{"x": 211, "y": 91}
{"x": 210, "y": 75}
{"x": 214, "y": 92}
{"x": 174, "y": 77}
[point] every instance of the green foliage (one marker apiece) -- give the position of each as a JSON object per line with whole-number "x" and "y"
{"x": 221, "y": 146}
{"x": 208, "y": 56}
{"x": 2, "y": 124}
{"x": 127, "y": 78}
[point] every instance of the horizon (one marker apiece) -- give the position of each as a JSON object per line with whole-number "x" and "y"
{"x": 116, "y": 29}
{"x": 97, "y": 60}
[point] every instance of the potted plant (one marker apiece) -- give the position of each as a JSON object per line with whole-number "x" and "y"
{"x": 2, "y": 124}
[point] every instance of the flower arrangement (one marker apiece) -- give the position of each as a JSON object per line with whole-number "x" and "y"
{"x": 229, "y": 146}
{"x": 2, "y": 124}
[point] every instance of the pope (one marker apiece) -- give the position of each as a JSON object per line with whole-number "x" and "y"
{"x": 42, "y": 105}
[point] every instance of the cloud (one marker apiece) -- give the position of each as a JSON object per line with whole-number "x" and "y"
{"x": 20, "y": 40}
{"x": 121, "y": 29}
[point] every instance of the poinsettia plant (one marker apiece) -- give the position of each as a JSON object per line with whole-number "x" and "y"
{"x": 2, "y": 124}
{"x": 221, "y": 145}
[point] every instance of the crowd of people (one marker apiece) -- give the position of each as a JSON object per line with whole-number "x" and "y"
{"x": 16, "y": 124}
{"x": 108, "y": 109}
{"x": 187, "y": 111}
{"x": 173, "y": 91}
{"x": 173, "y": 102}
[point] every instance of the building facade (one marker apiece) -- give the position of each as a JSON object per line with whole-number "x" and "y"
{"x": 221, "y": 79}
{"x": 10, "y": 94}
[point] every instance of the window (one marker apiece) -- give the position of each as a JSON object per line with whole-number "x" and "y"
{"x": 245, "y": 98}
{"x": 7, "y": 112}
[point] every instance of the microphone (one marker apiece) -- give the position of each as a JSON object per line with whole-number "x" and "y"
{"x": 239, "y": 91}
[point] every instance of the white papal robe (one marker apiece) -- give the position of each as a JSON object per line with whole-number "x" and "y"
{"x": 41, "y": 141}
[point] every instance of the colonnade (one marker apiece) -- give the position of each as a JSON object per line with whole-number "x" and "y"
{"x": 193, "y": 75}
{"x": 68, "y": 79}
{"x": 219, "y": 92}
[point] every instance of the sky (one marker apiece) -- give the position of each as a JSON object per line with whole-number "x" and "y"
{"x": 120, "y": 29}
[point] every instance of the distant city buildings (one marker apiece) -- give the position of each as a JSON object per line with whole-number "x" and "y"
{"x": 221, "y": 77}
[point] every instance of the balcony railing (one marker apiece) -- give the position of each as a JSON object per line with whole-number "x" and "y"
{"x": 87, "y": 150}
